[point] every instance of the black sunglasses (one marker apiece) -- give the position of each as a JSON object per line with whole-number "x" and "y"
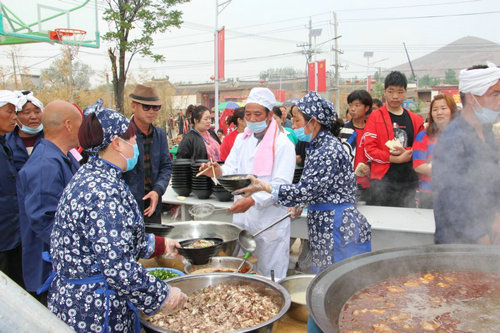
{"x": 146, "y": 107}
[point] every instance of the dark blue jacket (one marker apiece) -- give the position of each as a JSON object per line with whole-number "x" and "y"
{"x": 39, "y": 186}
{"x": 9, "y": 217}
{"x": 16, "y": 144}
{"x": 161, "y": 165}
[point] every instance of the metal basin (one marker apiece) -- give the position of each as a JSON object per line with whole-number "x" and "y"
{"x": 207, "y": 229}
{"x": 192, "y": 283}
{"x": 332, "y": 288}
{"x": 220, "y": 262}
{"x": 296, "y": 285}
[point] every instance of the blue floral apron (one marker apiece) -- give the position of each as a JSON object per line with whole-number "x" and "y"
{"x": 90, "y": 280}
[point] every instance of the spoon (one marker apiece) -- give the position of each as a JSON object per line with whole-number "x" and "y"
{"x": 247, "y": 255}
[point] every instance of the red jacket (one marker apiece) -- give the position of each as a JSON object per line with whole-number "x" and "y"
{"x": 378, "y": 131}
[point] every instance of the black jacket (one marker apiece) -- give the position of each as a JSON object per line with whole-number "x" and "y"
{"x": 193, "y": 147}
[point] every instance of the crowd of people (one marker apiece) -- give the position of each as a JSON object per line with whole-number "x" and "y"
{"x": 77, "y": 187}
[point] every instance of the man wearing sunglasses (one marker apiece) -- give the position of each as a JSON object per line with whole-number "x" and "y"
{"x": 148, "y": 180}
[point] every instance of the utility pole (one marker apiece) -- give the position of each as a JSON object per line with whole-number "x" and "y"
{"x": 13, "y": 55}
{"x": 308, "y": 48}
{"x": 309, "y": 51}
{"x": 223, "y": 5}
{"x": 337, "y": 84}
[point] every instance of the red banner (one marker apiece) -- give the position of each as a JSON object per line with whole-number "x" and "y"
{"x": 311, "y": 74}
{"x": 321, "y": 76}
{"x": 369, "y": 84}
{"x": 220, "y": 53}
{"x": 280, "y": 95}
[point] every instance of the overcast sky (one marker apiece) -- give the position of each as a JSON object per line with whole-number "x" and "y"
{"x": 262, "y": 34}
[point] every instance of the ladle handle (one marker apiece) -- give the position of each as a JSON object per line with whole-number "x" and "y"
{"x": 274, "y": 223}
{"x": 247, "y": 255}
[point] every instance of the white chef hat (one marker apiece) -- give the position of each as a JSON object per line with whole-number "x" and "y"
{"x": 262, "y": 96}
{"x": 7, "y": 96}
{"x": 478, "y": 81}
{"x": 26, "y": 96}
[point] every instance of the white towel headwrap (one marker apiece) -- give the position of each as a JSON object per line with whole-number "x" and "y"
{"x": 28, "y": 97}
{"x": 478, "y": 81}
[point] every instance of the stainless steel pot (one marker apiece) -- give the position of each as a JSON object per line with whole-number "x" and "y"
{"x": 192, "y": 283}
{"x": 219, "y": 262}
{"x": 332, "y": 288}
{"x": 296, "y": 285}
{"x": 207, "y": 229}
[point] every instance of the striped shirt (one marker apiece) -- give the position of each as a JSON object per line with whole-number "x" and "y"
{"x": 423, "y": 147}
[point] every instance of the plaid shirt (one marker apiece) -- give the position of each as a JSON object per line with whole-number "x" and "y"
{"x": 147, "y": 141}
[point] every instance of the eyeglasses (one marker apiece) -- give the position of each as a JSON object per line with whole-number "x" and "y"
{"x": 146, "y": 107}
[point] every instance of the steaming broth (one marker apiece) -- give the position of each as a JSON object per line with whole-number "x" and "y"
{"x": 435, "y": 301}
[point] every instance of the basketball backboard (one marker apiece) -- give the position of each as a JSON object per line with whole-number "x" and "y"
{"x": 31, "y": 21}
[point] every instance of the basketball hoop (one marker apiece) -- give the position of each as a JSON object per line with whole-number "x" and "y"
{"x": 71, "y": 39}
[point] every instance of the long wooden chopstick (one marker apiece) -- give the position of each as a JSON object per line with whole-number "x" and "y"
{"x": 202, "y": 171}
{"x": 214, "y": 178}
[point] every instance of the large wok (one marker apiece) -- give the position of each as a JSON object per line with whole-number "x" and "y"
{"x": 206, "y": 229}
{"x": 332, "y": 288}
{"x": 192, "y": 283}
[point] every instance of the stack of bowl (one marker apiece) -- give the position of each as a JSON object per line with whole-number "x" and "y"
{"x": 220, "y": 192}
{"x": 202, "y": 185}
{"x": 181, "y": 176}
{"x": 297, "y": 174}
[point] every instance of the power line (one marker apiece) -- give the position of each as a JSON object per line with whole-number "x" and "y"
{"x": 392, "y": 18}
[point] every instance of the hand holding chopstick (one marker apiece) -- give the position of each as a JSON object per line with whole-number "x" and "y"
{"x": 210, "y": 169}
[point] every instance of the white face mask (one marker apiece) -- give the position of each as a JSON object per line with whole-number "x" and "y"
{"x": 485, "y": 115}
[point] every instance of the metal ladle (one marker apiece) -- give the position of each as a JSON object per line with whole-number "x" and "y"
{"x": 247, "y": 240}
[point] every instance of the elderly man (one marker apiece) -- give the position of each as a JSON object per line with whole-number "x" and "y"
{"x": 149, "y": 179}
{"x": 266, "y": 152}
{"x": 29, "y": 129}
{"x": 40, "y": 185}
{"x": 465, "y": 170}
{"x": 10, "y": 240}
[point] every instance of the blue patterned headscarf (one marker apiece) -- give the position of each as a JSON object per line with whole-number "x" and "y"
{"x": 314, "y": 105}
{"x": 113, "y": 123}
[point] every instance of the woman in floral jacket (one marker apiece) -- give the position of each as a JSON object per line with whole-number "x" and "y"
{"x": 337, "y": 230}
{"x": 97, "y": 284}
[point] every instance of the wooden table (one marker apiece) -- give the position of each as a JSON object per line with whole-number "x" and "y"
{"x": 287, "y": 324}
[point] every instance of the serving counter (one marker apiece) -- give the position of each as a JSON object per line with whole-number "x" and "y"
{"x": 391, "y": 226}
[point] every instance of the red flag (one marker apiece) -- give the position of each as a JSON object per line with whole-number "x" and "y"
{"x": 321, "y": 76}
{"x": 369, "y": 84}
{"x": 220, "y": 53}
{"x": 311, "y": 73}
{"x": 280, "y": 95}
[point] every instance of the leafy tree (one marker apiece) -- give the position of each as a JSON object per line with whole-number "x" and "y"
{"x": 377, "y": 90}
{"x": 450, "y": 77}
{"x": 57, "y": 75}
{"x": 280, "y": 73}
{"x": 130, "y": 18}
{"x": 427, "y": 81}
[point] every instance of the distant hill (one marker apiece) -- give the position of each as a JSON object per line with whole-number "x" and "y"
{"x": 460, "y": 54}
